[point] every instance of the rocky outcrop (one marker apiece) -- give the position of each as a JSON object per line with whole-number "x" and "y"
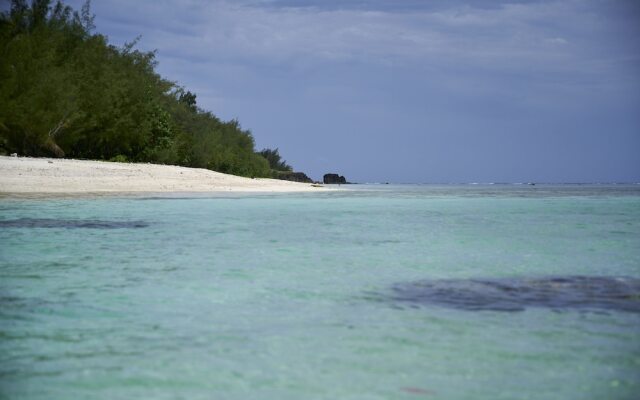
{"x": 334, "y": 179}
{"x": 293, "y": 176}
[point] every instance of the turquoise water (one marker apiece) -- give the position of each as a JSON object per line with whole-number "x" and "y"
{"x": 291, "y": 296}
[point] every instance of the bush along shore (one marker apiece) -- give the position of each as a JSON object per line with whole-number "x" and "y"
{"x": 66, "y": 92}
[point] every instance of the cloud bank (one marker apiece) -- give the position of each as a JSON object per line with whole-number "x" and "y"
{"x": 441, "y": 73}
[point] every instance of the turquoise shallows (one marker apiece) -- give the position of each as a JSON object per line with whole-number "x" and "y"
{"x": 289, "y": 296}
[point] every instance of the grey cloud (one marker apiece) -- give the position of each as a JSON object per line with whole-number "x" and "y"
{"x": 506, "y": 37}
{"x": 441, "y": 74}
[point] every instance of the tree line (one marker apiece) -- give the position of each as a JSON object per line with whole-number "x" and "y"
{"x": 66, "y": 92}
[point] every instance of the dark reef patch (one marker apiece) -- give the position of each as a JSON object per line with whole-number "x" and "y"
{"x": 516, "y": 294}
{"x": 70, "y": 223}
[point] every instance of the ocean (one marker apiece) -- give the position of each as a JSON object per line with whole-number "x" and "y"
{"x": 372, "y": 292}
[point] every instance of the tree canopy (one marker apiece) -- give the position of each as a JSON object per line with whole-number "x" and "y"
{"x": 66, "y": 92}
{"x": 276, "y": 162}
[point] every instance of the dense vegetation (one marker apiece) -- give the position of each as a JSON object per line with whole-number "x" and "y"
{"x": 66, "y": 92}
{"x": 276, "y": 163}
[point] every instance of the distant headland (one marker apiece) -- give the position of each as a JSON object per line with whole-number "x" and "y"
{"x": 80, "y": 97}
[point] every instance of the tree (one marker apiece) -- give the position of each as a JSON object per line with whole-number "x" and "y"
{"x": 189, "y": 99}
{"x": 64, "y": 91}
{"x": 275, "y": 161}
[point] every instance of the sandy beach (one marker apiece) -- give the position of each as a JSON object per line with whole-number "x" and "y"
{"x": 25, "y": 175}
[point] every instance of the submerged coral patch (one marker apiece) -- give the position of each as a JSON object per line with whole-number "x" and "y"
{"x": 70, "y": 223}
{"x": 517, "y": 294}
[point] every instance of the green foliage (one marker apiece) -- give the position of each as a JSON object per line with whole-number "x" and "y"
{"x": 64, "y": 91}
{"x": 187, "y": 98}
{"x": 276, "y": 162}
{"x": 119, "y": 158}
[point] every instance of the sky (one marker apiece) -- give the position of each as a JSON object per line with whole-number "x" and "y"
{"x": 410, "y": 91}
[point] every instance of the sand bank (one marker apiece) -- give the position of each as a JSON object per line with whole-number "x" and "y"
{"x": 24, "y": 175}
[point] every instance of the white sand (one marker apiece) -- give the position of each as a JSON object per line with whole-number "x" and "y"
{"x": 50, "y": 175}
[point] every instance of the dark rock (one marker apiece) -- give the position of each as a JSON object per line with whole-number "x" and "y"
{"x": 334, "y": 179}
{"x": 293, "y": 176}
{"x": 517, "y": 294}
{"x": 70, "y": 223}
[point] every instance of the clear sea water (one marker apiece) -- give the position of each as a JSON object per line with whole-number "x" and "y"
{"x": 290, "y": 296}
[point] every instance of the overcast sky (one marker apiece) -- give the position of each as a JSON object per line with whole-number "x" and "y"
{"x": 410, "y": 91}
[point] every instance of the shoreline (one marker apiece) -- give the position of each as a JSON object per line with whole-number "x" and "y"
{"x": 57, "y": 177}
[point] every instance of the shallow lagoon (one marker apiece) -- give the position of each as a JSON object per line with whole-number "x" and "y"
{"x": 295, "y": 296}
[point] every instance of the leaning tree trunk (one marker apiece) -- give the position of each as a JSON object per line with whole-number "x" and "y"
{"x": 50, "y": 143}
{"x": 52, "y": 147}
